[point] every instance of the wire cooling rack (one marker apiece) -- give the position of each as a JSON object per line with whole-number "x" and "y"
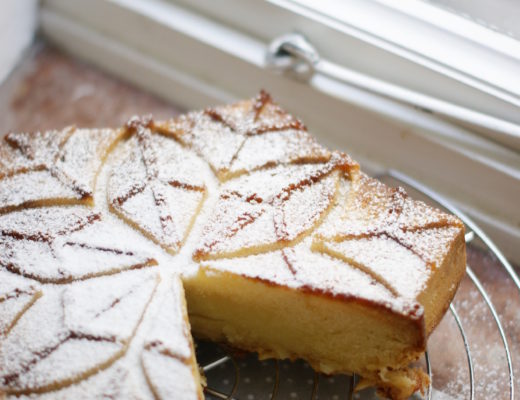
{"x": 470, "y": 354}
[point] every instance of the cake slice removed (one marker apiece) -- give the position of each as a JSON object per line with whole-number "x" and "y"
{"x": 334, "y": 268}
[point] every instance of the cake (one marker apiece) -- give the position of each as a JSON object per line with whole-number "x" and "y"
{"x": 233, "y": 224}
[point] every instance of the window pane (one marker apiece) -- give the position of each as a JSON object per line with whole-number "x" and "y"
{"x": 501, "y": 16}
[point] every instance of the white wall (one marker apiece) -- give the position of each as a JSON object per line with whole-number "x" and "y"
{"x": 17, "y": 28}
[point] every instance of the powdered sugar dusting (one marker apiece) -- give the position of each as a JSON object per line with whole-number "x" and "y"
{"x": 168, "y": 333}
{"x": 76, "y": 331}
{"x": 300, "y": 268}
{"x": 115, "y": 382}
{"x": 167, "y": 357}
{"x": 430, "y": 244}
{"x": 91, "y": 303}
{"x": 52, "y": 166}
{"x": 12, "y": 285}
{"x": 245, "y": 136}
{"x": 372, "y": 210}
{"x": 157, "y": 187}
{"x": 16, "y": 296}
{"x": 216, "y": 143}
{"x": 108, "y": 307}
{"x": 94, "y": 327}
{"x": 384, "y": 259}
{"x": 27, "y": 189}
{"x": 381, "y": 231}
{"x": 274, "y": 148}
{"x": 255, "y": 116}
{"x": 318, "y": 271}
{"x": 266, "y": 207}
{"x": 57, "y": 244}
{"x": 269, "y": 266}
{"x": 169, "y": 376}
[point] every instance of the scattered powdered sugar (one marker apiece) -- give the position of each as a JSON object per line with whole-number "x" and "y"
{"x": 12, "y": 308}
{"x": 110, "y": 384}
{"x": 293, "y": 217}
{"x": 87, "y": 355}
{"x": 169, "y": 376}
{"x": 255, "y": 116}
{"x": 28, "y": 150}
{"x": 27, "y": 188}
{"x": 298, "y": 267}
{"x": 168, "y": 333}
{"x": 418, "y": 215}
{"x": 438, "y": 395}
{"x": 318, "y": 271}
{"x": 279, "y": 182}
{"x": 82, "y": 155}
{"x": 45, "y": 222}
{"x": 392, "y": 238}
{"x": 213, "y": 141}
{"x": 368, "y": 208}
{"x": 269, "y": 266}
{"x": 110, "y": 307}
{"x": 40, "y": 328}
{"x": 125, "y": 377}
{"x": 12, "y": 285}
{"x": 431, "y": 245}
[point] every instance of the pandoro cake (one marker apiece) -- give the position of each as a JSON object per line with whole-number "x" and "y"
{"x": 232, "y": 224}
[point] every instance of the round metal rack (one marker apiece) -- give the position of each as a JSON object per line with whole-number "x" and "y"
{"x": 470, "y": 354}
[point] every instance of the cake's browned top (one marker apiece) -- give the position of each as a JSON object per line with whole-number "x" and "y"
{"x": 89, "y": 248}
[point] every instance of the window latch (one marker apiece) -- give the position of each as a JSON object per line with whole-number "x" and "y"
{"x": 293, "y": 54}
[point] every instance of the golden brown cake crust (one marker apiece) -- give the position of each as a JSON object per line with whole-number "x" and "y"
{"x": 98, "y": 227}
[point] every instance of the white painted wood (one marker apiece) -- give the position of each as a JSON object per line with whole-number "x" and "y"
{"x": 382, "y": 40}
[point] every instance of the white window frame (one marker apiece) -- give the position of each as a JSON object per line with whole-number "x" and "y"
{"x": 197, "y": 53}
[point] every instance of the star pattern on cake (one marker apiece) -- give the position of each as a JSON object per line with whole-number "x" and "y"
{"x": 157, "y": 187}
{"x": 270, "y": 209}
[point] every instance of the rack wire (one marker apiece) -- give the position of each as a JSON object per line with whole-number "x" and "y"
{"x": 245, "y": 377}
